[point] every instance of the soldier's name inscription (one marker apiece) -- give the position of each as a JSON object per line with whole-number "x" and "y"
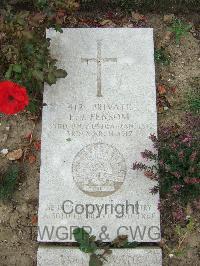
{"x": 98, "y": 120}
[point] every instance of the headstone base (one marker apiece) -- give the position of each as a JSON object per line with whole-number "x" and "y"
{"x": 65, "y": 256}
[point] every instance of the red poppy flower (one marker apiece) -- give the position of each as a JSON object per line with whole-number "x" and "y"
{"x": 13, "y": 97}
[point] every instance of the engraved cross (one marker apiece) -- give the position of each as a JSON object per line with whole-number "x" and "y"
{"x": 99, "y": 60}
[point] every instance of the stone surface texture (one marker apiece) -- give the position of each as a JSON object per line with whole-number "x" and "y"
{"x": 96, "y": 122}
{"x": 62, "y": 256}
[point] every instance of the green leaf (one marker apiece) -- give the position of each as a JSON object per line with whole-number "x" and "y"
{"x": 32, "y": 107}
{"x": 162, "y": 57}
{"x": 17, "y": 68}
{"x": 8, "y": 183}
{"x": 131, "y": 245}
{"x": 95, "y": 260}
{"x": 37, "y": 74}
{"x": 8, "y": 73}
{"x": 58, "y": 28}
{"x": 29, "y": 48}
{"x": 87, "y": 245}
{"x": 51, "y": 79}
{"x": 60, "y": 73}
{"x": 41, "y": 3}
{"x": 80, "y": 235}
{"x": 24, "y": 14}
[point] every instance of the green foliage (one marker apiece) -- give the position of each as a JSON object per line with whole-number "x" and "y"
{"x": 88, "y": 244}
{"x": 8, "y": 182}
{"x": 24, "y": 51}
{"x": 194, "y": 102}
{"x": 180, "y": 29}
{"x": 160, "y": 5}
{"x": 181, "y": 235}
{"x": 177, "y": 165}
{"x": 162, "y": 57}
{"x": 193, "y": 97}
{"x": 53, "y": 5}
{"x": 33, "y": 106}
{"x": 49, "y": 6}
{"x": 188, "y": 229}
{"x": 177, "y": 169}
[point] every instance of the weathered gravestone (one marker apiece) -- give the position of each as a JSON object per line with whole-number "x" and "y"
{"x": 62, "y": 256}
{"x": 95, "y": 124}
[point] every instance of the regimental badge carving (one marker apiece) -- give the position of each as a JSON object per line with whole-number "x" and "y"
{"x": 99, "y": 169}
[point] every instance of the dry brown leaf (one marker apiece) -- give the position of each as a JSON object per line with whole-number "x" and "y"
{"x": 168, "y": 18}
{"x": 162, "y": 243}
{"x": 32, "y": 159}
{"x": 170, "y": 99}
{"x": 165, "y": 40}
{"x": 120, "y": 241}
{"x": 15, "y": 155}
{"x": 38, "y": 17}
{"x": 29, "y": 137}
{"x": 34, "y": 219}
{"x": 61, "y": 13}
{"x": 37, "y": 145}
{"x": 72, "y": 5}
{"x": 173, "y": 90}
{"x": 161, "y": 90}
{"x": 106, "y": 21}
{"x": 160, "y": 109}
{"x": 167, "y": 36}
{"x": 137, "y": 16}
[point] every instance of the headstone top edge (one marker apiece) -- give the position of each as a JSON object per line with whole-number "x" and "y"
{"x": 49, "y": 246}
{"x": 52, "y": 30}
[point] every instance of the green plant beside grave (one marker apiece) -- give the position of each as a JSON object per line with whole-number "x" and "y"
{"x": 8, "y": 182}
{"x": 87, "y": 244}
{"x": 99, "y": 251}
{"x": 24, "y": 53}
{"x": 181, "y": 235}
{"x": 162, "y": 57}
{"x": 152, "y": 5}
{"x": 175, "y": 164}
{"x": 193, "y": 102}
{"x": 193, "y": 97}
{"x": 179, "y": 29}
{"x": 52, "y": 5}
{"x": 44, "y": 5}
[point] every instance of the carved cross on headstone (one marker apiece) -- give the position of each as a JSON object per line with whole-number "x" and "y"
{"x": 99, "y": 60}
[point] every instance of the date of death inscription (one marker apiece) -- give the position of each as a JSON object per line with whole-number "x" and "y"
{"x": 98, "y": 120}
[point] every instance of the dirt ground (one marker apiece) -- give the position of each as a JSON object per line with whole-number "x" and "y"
{"x": 18, "y": 217}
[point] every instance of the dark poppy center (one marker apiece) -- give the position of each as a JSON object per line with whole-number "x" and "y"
{"x": 11, "y": 98}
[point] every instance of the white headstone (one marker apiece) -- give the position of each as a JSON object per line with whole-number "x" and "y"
{"x": 64, "y": 256}
{"x": 96, "y": 122}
